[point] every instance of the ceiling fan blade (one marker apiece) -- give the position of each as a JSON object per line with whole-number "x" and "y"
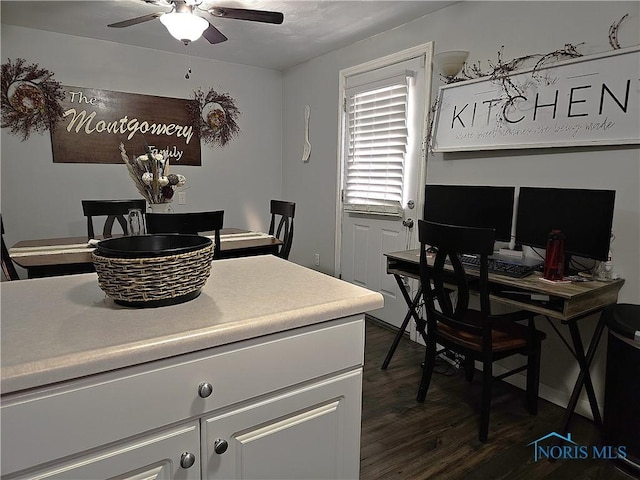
{"x": 245, "y": 14}
{"x": 135, "y": 21}
{"x": 213, "y": 35}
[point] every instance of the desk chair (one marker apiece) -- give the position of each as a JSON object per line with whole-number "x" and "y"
{"x": 282, "y": 212}
{"x": 113, "y": 209}
{"x": 476, "y": 334}
{"x": 188, "y": 223}
{"x": 8, "y": 267}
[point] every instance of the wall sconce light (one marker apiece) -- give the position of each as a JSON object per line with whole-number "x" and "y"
{"x": 449, "y": 63}
{"x": 184, "y": 26}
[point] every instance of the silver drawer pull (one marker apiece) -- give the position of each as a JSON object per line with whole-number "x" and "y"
{"x": 205, "y": 389}
{"x": 187, "y": 460}
{"x": 220, "y": 446}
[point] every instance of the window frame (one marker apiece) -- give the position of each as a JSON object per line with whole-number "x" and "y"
{"x": 388, "y": 98}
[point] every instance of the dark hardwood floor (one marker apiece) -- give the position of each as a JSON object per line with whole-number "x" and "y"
{"x": 402, "y": 439}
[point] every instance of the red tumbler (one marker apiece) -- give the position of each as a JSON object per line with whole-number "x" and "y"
{"x": 554, "y": 259}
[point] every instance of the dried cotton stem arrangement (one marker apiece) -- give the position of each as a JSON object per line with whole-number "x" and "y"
{"x": 150, "y": 175}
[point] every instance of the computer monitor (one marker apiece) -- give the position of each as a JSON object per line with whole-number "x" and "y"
{"x": 584, "y": 216}
{"x": 471, "y": 206}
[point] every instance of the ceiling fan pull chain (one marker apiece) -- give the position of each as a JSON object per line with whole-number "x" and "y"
{"x": 188, "y": 74}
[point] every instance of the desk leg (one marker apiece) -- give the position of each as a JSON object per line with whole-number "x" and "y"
{"x": 584, "y": 377}
{"x": 411, "y": 312}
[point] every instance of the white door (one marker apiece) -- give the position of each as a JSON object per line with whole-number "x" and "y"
{"x": 369, "y": 227}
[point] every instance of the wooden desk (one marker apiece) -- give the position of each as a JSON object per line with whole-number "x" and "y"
{"x": 565, "y": 302}
{"x": 78, "y": 260}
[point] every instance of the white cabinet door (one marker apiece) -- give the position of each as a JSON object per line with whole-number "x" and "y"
{"x": 157, "y": 457}
{"x": 312, "y": 432}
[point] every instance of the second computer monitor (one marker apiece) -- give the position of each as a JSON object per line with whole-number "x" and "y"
{"x": 471, "y": 206}
{"x": 584, "y": 216}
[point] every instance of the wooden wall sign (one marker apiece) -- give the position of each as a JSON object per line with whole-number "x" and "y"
{"x": 95, "y": 122}
{"x": 591, "y": 100}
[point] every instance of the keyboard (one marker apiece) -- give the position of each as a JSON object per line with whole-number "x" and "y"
{"x": 499, "y": 267}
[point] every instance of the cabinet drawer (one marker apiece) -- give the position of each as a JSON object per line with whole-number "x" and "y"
{"x": 54, "y": 422}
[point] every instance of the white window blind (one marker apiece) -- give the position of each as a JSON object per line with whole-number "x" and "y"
{"x": 376, "y": 145}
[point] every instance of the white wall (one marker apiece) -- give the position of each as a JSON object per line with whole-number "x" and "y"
{"x": 482, "y": 28}
{"x": 42, "y": 199}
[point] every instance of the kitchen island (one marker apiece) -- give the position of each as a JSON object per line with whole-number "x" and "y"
{"x": 258, "y": 377}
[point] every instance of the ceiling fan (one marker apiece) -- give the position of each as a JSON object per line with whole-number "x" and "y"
{"x": 189, "y": 19}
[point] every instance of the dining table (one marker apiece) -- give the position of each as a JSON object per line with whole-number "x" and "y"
{"x": 50, "y": 257}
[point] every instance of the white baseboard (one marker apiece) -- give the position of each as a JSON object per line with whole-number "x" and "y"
{"x": 546, "y": 392}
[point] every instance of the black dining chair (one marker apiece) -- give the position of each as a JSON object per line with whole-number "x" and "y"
{"x": 474, "y": 333}
{"x": 188, "y": 223}
{"x": 113, "y": 210}
{"x": 8, "y": 268}
{"x": 282, "y": 214}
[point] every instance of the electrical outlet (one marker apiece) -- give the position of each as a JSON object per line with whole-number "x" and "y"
{"x": 316, "y": 259}
{"x": 182, "y": 198}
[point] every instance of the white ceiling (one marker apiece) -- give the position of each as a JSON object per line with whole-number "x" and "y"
{"x": 310, "y": 28}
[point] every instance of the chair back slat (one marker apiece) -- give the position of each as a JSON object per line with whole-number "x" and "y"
{"x": 187, "y": 223}
{"x": 113, "y": 210}
{"x": 441, "y": 280}
{"x": 283, "y": 214}
{"x": 8, "y": 267}
{"x": 448, "y": 273}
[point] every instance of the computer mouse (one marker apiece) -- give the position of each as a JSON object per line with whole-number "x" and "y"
{"x": 432, "y": 250}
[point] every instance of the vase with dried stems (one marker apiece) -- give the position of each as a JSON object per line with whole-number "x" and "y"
{"x": 150, "y": 174}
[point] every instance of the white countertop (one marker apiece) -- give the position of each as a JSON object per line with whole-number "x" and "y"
{"x": 60, "y": 328}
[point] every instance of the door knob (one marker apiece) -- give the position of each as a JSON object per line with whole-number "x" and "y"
{"x": 220, "y": 446}
{"x": 205, "y": 389}
{"x": 408, "y": 223}
{"x": 187, "y": 460}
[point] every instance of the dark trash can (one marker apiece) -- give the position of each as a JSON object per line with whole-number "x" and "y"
{"x": 622, "y": 385}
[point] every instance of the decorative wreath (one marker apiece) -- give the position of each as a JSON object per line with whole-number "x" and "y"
{"x": 213, "y": 116}
{"x": 29, "y": 98}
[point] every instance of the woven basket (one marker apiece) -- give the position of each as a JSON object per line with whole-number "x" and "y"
{"x": 154, "y": 281}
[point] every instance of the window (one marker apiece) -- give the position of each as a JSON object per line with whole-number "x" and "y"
{"x": 376, "y": 139}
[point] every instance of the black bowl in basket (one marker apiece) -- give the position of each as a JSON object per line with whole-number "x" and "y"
{"x": 153, "y": 270}
{"x": 151, "y": 245}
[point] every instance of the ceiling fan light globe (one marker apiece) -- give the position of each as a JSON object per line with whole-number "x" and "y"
{"x": 183, "y": 26}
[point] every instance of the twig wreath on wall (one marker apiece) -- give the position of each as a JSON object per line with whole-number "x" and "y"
{"x": 29, "y": 98}
{"x": 213, "y": 116}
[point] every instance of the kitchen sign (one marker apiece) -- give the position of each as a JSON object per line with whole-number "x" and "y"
{"x": 95, "y": 122}
{"x": 591, "y": 100}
